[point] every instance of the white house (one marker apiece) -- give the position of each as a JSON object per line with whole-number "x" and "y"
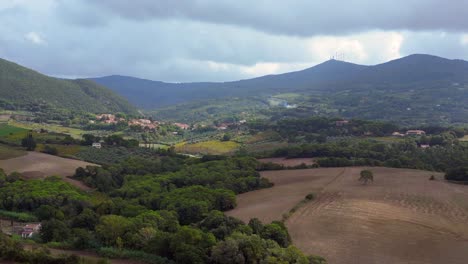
{"x": 97, "y": 145}
{"x": 29, "y": 230}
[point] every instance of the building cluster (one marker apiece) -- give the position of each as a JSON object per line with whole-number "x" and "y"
{"x": 226, "y": 125}
{"x": 182, "y": 126}
{"x": 409, "y": 133}
{"x": 109, "y": 118}
{"x": 144, "y": 123}
{"x": 153, "y": 125}
{"x": 140, "y": 122}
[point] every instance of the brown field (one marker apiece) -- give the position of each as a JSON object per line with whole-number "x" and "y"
{"x": 288, "y": 162}
{"x": 400, "y": 218}
{"x": 40, "y": 165}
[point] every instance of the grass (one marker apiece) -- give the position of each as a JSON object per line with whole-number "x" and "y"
{"x": 7, "y": 152}
{"x": 17, "y": 216}
{"x": 309, "y": 197}
{"x": 265, "y": 147}
{"x": 263, "y": 137}
{"x": 74, "y": 132}
{"x": 465, "y": 138}
{"x": 288, "y": 96}
{"x": 7, "y": 130}
{"x": 208, "y": 147}
{"x": 388, "y": 139}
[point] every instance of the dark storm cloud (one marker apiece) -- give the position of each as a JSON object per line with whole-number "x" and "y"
{"x": 303, "y": 17}
{"x": 201, "y": 40}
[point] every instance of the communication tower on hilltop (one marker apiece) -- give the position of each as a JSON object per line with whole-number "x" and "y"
{"x": 338, "y": 56}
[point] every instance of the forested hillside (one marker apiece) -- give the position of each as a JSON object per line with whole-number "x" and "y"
{"x": 24, "y": 89}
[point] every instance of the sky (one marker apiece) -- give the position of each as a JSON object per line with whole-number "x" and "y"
{"x": 222, "y": 40}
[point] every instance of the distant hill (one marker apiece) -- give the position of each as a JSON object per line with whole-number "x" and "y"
{"x": 414, "y": 89}
{"x": 23, "y": 88}
{"x": 331, "y": 75}
{"x": 154, "y": 94}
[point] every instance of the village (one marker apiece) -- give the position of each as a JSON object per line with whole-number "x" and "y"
{"x": 150, "y": 124}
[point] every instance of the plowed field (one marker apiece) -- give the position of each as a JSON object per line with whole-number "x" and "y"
{"x": 402, "y": 217}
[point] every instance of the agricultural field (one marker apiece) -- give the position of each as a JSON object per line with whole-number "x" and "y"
{"x": 8, "y": 130}
{"x": 73, "y": 132}
{"x": 402, "y": 217}
{"x": 4, "y": 117}
{"x": 7, "y": 152}
{"x": 215, "y": 147}
{"x": 40, "y": 165}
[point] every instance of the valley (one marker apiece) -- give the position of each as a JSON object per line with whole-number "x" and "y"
{"x": 194, "y": 170}
{"x": 233, "y": 132}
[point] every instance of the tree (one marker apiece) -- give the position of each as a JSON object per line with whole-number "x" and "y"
{"x": 89, "y": 139}
{"x": 3, "y": 177}
{"x": 112, "y": 227}
{"x": 457, "y": 174}
{"x": 276, "y": 231}
{"x": 256, "y": 225}
{"x": 50, "y": 150}
{"x": 54, "y": 230}
{"x": 28, "y": 142}
{"x": 366, "y": 176}
{"x": 226, "y": 137}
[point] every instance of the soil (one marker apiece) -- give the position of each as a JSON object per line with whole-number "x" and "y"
{"x": 402, "y": 217}
{"x": 40, "y": 165}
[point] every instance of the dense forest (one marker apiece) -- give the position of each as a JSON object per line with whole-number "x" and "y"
{"x": 162, "y": 210}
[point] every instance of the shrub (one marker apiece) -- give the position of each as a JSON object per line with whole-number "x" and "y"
{"x": 50, "y": 150}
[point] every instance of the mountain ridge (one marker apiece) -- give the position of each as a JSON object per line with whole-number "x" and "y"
{"x": 331, "y": 75}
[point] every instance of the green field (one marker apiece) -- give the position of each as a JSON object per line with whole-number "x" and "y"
{"x": 208, "y": 147}
{"x": 288, "y": 96}
{"x": 7, "y": 130}
{"x": 74, "y": 132}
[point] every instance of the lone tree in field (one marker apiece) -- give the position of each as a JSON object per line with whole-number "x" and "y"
{"x": 366, "y": 176}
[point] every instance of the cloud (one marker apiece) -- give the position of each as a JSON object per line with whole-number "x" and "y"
{"x": 302, "y": 17}
{"x": 35, "y": 38}
{"x": 204, "y": 40}
{"x": 464, "y": 39}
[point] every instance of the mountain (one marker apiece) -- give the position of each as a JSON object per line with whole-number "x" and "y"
{"x": 23, "y": 88}
{"x": 152, "y": 94}
{"x": 332, "y": 75}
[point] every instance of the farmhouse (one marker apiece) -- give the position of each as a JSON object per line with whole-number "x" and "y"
{"x": 182, "y": 126}
{"x": 340, "y": 123}
{"x": 397, "y": 134}
{"x": 143, "y": 123}
{"x": 107, "y": 118}
{"x": 415, "y": 133}
{"x": 29, "y": 230}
